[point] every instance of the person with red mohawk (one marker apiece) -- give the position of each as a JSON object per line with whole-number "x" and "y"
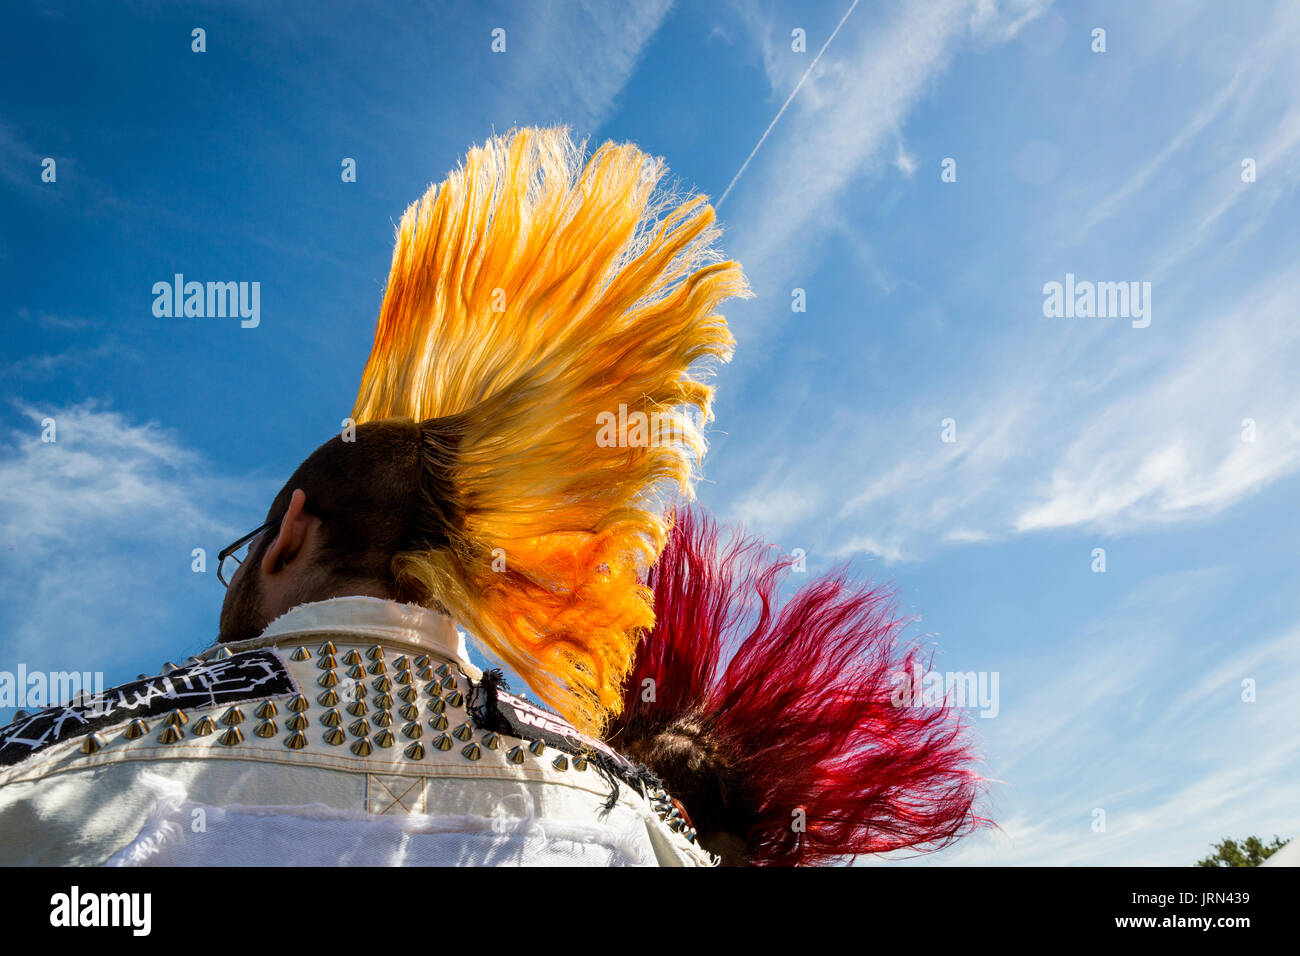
{"x": 777, "y": 729}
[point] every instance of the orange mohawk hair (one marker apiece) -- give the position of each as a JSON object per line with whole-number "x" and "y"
{"x": 533, "y": 296}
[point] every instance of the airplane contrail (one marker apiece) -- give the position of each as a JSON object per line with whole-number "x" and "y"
{"x": 740, "y": 171}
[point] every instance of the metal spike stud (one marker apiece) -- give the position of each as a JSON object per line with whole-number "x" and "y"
{"x": 222, "y": 652}
{"x": 327, "y": 648}
{"x": 492, "y": 741}
{"x": 422, "y": 660}
{"x": 358, "y": 708}
{"x": 415, "y": 751}
{"x": 471, "y": 751}
{"x": 413, "y": 730}
{"x": 375, "y": 653}
{"x": 385, "y": 738}
{"x": 230, "y": 737}
{"x": 335, "y": 736}
{"x": 204, "y": 726}
{"x": 296, "y": 722}
{"x": 463, "y": 731}
{"x": 328, "y": 699}
{"x": 91, "y": 743}
{"x": 383, "y": 685}
{"x": 439, "y": 722}
{"x": 327, "y": 662}
{"x": 297, "y": 703}
{"x": 443, "y": 742}
{"x": 378, "y": 667}
{"x": 301, "y": 654}
{"x": 402, "y": 664}
{"x": 135, "y": 729}
{"x": 357, "y": 672}
{"x": 266, "y": 710}
{"x": 352, "y": 657}
{"x": 176, "y": 718}
{"x": 360, "y": 727}
{"x": 232, "y": 716}
{"x": 560, "y": 763}
{"x": 383, "y": 701}
{"x": 537, "y": 747}
{"x": 362, "y": 747}
{"x": 579, "y": 763}
{"x": 328, "y": 679}
{"x": 443, "y": 670}
{"x": 410, "y": 712}
{"x": 515, "y": 754}
{"x": 170, "y": 734}
{"x": 408, "y": 694}
{"x": 331, "y": 718}
{"x": 455, "y": 698}
{"x": 296, "y": 740}
{"x": 383, "y": 718}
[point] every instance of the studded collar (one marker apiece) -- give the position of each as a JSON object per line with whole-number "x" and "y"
{"x": 377, "y": 619}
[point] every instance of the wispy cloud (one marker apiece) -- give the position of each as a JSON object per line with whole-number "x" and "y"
{"x": 1077, "y": 424}
{"x": 98, "y": 527}
{"x": 848, "y": 111}
{"x": 1193, "y": 451}
{"x": 1124, "y": 744}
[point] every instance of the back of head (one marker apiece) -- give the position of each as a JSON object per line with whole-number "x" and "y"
{"x": 778, "y": 727}
{"x": 383, "y": 490}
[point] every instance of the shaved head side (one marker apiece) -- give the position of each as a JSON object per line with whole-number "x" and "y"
{"x": 386, "y": 492}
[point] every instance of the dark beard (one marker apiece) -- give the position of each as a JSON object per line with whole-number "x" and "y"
{"x": 242, "y": 616}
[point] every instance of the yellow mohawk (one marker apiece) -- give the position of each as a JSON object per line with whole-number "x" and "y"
{"x": 535, "y": 299}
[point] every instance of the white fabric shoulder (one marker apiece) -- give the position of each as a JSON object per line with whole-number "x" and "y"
{"x": 180, "y": 833}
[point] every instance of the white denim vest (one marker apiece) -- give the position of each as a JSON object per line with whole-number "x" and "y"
{"x": 340, "y": 736}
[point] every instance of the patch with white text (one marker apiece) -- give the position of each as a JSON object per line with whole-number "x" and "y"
{"x": 253, "y": 674}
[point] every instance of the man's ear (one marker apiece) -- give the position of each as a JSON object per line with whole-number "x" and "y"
{"x": 292, "y": 535}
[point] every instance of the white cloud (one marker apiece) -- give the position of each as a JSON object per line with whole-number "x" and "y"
{"x": 1129, "y": 716}
{"x": 1081, "y": 424}
{"x": 99, "y": 527}
{"x": 573, "y": 60}
{"x": 848, "y": 110}
{"x": 1172, "y": 448}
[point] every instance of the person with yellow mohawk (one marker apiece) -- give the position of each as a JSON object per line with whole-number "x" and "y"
{"x": 533, "y": 294}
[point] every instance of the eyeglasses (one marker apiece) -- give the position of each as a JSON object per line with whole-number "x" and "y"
{"x": 231, "y": 557}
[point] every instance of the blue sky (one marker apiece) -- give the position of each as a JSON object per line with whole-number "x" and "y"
{"x": 1119, "y": 691}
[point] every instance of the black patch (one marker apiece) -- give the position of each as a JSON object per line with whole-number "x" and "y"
{"x": 491, "y": 708}
{"x": 253, "y": 674}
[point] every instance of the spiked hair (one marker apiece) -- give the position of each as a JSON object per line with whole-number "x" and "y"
{"x": 756, "y": 717}
{"x": 532, "y": 297}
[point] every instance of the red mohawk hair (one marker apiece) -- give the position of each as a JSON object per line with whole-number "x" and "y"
{"x": 800, "y": 724}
